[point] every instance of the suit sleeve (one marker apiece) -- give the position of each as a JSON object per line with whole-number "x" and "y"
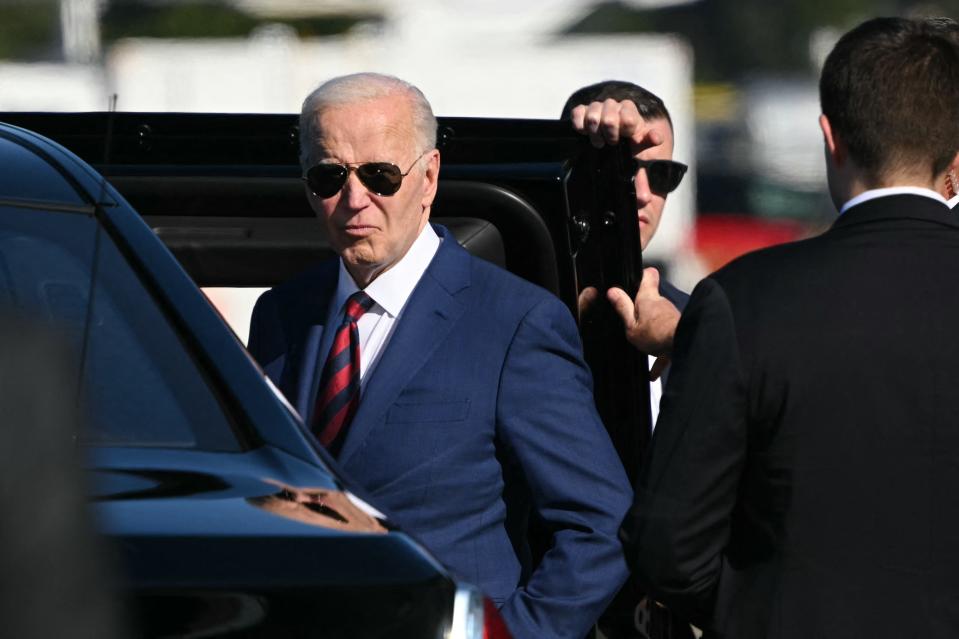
{"x": 680, "y": 523}
{"x": 546, "y": 418}
{"x": 258, "y": 335}
{"x": 267, "y": 342}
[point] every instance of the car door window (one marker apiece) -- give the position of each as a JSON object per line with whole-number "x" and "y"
{"x": 45, "y": 259}
{"x": 140, "y": 385}
{"x": 143, "y": 386}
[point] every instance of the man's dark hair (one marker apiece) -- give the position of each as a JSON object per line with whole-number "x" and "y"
{"x": 946, "y": 26}
{"x": 890, "y": 89}
{"x": 649, "y": 105}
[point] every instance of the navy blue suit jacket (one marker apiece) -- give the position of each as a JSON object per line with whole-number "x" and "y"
{"x": 479, "y": 410}
{"x": 673, "y": 294}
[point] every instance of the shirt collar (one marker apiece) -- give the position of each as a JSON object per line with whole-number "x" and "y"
{"x": 953, "y": 201}
{"x": 393, "y": 287}
{"x": 872, "y": 194}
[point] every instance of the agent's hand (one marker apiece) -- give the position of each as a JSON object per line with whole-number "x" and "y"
{"x": 610, "y": 121}
{"x": 650, "y": 319}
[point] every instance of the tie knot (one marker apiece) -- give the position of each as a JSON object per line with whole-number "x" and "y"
{"x": 357, "y": 304}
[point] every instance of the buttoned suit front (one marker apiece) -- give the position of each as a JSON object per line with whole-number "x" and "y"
{"x": 478, "y": 411}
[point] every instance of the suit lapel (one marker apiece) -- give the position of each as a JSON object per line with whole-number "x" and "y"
{"x": 301, "y": 370}
{"x": 428, "y": 317}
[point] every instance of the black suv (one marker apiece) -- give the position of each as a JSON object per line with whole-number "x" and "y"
{"x": 229, "y": 518}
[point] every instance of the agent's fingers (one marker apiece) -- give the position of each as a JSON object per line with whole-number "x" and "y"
{"x": 592, "y": 122}
{"x": 578, "y": 117}
{"x": 623, "y": 305}
{"x": 621, "y": 120}
{"x": 610, "y": 121}
{"x": 650, "y": 280}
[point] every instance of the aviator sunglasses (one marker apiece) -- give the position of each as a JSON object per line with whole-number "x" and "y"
{"x": 382, "y": 178}
{"x": 663, "y": 175}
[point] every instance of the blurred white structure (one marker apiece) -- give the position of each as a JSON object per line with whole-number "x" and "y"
{"x": 48, "y": 86}
{"x": 463, "y": 74}
{"x": 499, "y": 58}
{"x": 782, "y": 120}
{"x": 80, "y": 29}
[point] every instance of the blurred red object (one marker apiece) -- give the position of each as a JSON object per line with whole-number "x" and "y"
{"x": 718, "y": 238}
{"x": 493, "y": 627}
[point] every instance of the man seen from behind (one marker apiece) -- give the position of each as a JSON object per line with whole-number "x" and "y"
{"x": 799, "y": 483}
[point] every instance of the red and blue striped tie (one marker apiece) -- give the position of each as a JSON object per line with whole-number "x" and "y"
{"x": 339, "y": 394}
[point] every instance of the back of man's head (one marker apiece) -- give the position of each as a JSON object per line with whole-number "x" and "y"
{"x": 890, "y": 90}
{"x": 648, "y": 104}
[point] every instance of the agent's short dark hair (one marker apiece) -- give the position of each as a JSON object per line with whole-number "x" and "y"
{"x": 946, "y": 26}
{"x": 649, "y": 105}
{"x": 890, "y": 89}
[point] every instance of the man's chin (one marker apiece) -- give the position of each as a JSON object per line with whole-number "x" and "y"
{"x": 359, "y": 259}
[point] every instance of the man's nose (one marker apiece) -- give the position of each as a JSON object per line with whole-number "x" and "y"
{"x": 356, "y": 194}
{"x": 641, "y": 184}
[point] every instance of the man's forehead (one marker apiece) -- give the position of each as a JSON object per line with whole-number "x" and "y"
{"x": 380, "y": 123}
{"x": 390, "y": 112}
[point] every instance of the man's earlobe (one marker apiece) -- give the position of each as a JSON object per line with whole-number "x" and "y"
{"x": 834, "y": 146}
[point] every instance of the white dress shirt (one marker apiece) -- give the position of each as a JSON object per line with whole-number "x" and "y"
{"x": 389, "y": 292}
{"x": 655, "y": 394}
{"x": 872, "y": 194}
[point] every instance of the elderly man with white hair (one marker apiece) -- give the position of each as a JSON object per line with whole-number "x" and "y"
{"x": 452, "y": 391}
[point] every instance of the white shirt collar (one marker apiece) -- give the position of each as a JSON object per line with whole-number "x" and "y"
{"x": 953, "y": 201}
{"x": 872, "y": 194}
{"x": 393, "y": 287}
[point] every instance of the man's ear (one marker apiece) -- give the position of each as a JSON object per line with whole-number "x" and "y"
{"x": 949, "y": 187}
{"x": 954, "y": 166}
{"x": 431, "y": 178}
{"x": 834, "y": 145}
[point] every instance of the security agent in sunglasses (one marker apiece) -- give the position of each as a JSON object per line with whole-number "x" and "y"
{"x": 612, "y": 112}
{"x": 452, "y": 391}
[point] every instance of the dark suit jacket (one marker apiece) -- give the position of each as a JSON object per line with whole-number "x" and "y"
{"x": 679, "y": 300}
{"x": 479, "y": 409}
{"x": 801, "y": 481}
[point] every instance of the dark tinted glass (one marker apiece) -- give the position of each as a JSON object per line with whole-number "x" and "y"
{"x": 382, "y": 178}
{"x": 26, "y": 176}
{"x": 664, "y": 175}
{"x": 142, "y": 384}
{"x": 45, "y": 267}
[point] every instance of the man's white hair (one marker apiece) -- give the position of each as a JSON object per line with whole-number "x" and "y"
{"x": 360, "y": 87}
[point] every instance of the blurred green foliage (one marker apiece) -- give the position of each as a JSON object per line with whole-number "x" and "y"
{"x": 736, "y": 39}
{"x": 183, "y": 20}
{"x": 208, "y": 19}
{"x": 29, "y": 30}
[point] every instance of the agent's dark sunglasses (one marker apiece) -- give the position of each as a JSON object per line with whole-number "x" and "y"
{"x": 382, "y": 178}
{"x": 663, "y": 175}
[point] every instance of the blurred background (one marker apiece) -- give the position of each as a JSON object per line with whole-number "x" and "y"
{"x": 739, "y": 78}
